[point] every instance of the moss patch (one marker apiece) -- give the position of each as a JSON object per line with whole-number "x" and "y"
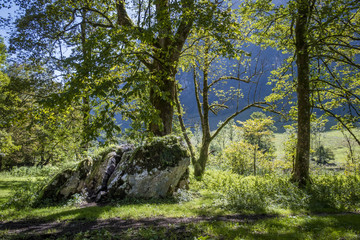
{"x": 160, "y": 153}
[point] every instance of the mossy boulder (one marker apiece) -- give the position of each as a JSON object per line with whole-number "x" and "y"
{"x": 155, "y": 169}
{"x": 103, "y": 168}
{"x": 66, "y": 183}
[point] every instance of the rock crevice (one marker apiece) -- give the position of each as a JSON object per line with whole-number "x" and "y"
{"x": 153, "y": 170}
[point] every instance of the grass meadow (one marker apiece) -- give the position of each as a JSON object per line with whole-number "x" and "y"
{"x": 263, "y": 207}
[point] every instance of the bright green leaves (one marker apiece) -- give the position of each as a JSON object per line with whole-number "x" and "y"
{"x": 258, "y": 130}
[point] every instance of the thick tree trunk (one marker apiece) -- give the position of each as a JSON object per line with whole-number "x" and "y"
{"x": 166, "y": 44}
{"x": 163, "y": 102}
{"x": 301, "y": 170}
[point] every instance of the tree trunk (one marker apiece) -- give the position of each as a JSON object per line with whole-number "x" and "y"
{"x": 162, "y": 101}
{"x": 166, "y": 44}
{"x": 204, "y": 115}
{"x": 199, "y": 167}
{"x": 86, "y": 121}
{"x": 301, "y": 170}
{"x": 183, "y": 128}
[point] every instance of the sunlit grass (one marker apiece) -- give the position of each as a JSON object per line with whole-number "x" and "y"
{"x": 160, "y": 208}
{"x": 290, "y": 227}
{"x": 333, "y": 139}
{"x": 207, "y": 200}
{"x": 9, "y": 184}
{"x": 202, "y": 204}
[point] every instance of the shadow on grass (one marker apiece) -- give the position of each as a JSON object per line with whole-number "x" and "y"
{"x": 327, "y": 227}
{"x": 345, "y": 226}
{"x": 140, "y": 208}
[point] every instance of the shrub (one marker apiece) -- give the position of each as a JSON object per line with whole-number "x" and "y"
{"x": 240, "y": 157}
{"x": 263, "y": 193}
{"x": 34, "y": 171}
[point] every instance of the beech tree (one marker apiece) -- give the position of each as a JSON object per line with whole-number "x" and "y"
{"x": 321, "y": 40}
{"x": 301, "y": 168}
{"x": 136, "y": 48}
{"x": 208, "y": 60}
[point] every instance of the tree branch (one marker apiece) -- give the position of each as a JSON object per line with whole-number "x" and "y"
{"x": 123, "y": 18}
{"x": 258, "y": 105}
{"x": 227, "y": 78}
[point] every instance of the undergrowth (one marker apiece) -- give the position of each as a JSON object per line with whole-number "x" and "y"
{"x": 268, "y": 192}
{"x": 233, "y": 192}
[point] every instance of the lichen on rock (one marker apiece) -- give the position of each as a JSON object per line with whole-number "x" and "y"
{"x": 155, "y": 169}
{"x": 66, "y": 183}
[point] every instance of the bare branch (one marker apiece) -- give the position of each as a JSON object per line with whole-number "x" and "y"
{"x": 341, "y": 122}
{"x": 257, "y": 105}
{"x": 198, "y": 102}
{"x": 223, "y": 78}
{"x": 183, "y": 30}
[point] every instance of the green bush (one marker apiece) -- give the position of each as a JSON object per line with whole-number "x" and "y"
{"x": 267, "y": 192}
{"x": 240, "y": 158}
{"x": 34, "y": 171}
{"x": 335, "y": 192}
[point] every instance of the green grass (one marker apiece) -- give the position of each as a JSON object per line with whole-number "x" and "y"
{"x": 329, "y": 227}
{"x": 164, "y": 208}
{"x": 284, "y": 223}
{"x": 296, "y": 213}
{"x": 201, "y": 204}
{"x": 220, "y": 193}
{"x": 291, "y": 227}
{"x": 9, "y": 184}
{"x": 333, "y": 139}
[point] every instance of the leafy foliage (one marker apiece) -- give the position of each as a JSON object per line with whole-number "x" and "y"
{"x": 39, "y": 134}
{"x": 269, "y": 192}
{"x": 255, "y": 146}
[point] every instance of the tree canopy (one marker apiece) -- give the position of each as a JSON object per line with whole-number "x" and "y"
{"x": 84, "y": 67}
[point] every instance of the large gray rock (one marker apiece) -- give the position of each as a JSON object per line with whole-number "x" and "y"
{"x": 66, "y": 183}
{"x": 153, "y": 170}
{"x": 156, "y": 169}
{"x": 103, "y": 168}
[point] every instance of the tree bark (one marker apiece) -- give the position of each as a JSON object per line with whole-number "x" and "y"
{"x": 167, "y": 44}
{"x": 204, "y": 115}
{"x": 162, "y": 100}
{"x": 183, "y": 128}
{"x": 255, "y": 149}
{"x": 199, "y": 166}
{"x": 301, "y": 170}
